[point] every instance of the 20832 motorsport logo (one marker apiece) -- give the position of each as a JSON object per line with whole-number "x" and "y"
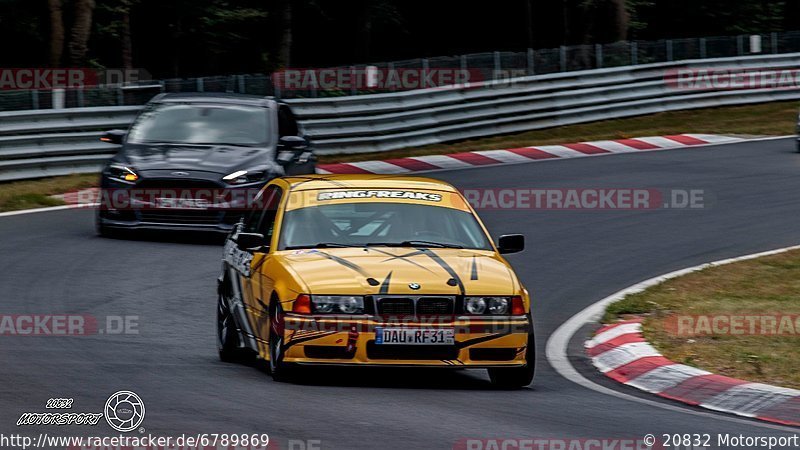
{"x": 123, "y": 411}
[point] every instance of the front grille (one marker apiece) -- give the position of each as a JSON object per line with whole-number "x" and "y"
{"x": 396, "y": 306}
{"x": 415, "y": 306}
{"x": 434, "y": 306}
{"x": 410, "y": 352}
{"x": 180, "y": 216}
{"x": 327, "y": 352}
{"x": 178, "y": 184}
{"x": 492, "y": 354}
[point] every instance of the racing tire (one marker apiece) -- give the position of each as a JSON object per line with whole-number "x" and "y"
{"x": 227, "y": 336}
{"x": 516, "y": 377}
{"x": 281, "y": 372}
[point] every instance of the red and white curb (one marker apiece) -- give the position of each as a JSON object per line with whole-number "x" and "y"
{"x": 524, "y": 154}
{"x": 621, "y": 353}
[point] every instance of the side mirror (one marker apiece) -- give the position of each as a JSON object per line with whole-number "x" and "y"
{"x": 511, "y": 243}
{"x": 250, "y": 241}
{"x": 115, "y": 137}
{"x": 292, "y": 149}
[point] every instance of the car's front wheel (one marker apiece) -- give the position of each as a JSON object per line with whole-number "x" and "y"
{"x": 516, "y": 377}
{"x": 280, "y": 370}
{"x": 227, "y": 336}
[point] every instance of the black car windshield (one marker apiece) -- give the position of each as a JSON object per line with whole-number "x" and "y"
{"x": 201, "y": 125}
{"x": 381, "y": 224}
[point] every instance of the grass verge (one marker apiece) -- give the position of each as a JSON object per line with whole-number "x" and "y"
{"x": 746, "y": 348}
{"x": 771, "y": 119}
{"x": 17, "y": 195}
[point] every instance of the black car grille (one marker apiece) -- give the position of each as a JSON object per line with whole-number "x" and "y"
{"x": 434, "y": 306}
{"x": 177, "y": 184}
{"x": 411, "y": 352}
{"x": 180, "y": 216}
{"x": 396, "y": 306}
{"x": 415, "y": 306}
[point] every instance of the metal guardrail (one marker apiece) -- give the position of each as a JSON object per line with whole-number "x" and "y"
{"x": 55, "y": 142}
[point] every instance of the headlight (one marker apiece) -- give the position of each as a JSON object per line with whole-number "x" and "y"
{"x": 335, "y": 304}
{"x": 118, "y": 172}
{"x": 246, "y": 176}
{"x": 496, "y": 306}
{"x": 475, "y": 305}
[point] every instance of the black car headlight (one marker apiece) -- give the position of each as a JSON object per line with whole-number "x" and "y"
{"x": 122, "y": 173}
{"x": 246, "y": 176}
{"x": 337, "y": 304}
{"x": 494, "y": 306}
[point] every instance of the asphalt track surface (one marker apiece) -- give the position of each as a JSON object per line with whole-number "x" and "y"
{"x": 53, "y": 263}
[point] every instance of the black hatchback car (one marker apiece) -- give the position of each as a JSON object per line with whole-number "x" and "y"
{"x": 196, "y": 161}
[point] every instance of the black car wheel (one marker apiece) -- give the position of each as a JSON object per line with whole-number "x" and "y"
{"x": 517, "y": 377}
{"x": 280, "y": 370}
{"x": 227, "y": 336}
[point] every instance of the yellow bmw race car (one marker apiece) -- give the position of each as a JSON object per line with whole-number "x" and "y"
{"x": 372, "y": 270}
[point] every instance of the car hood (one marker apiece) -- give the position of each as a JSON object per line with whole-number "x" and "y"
{"x": 390, "y": 270}
{"x": 218, "y": 159}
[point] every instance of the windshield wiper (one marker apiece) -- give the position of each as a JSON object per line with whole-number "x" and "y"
{"x": 413, "y": 244}
{"x": 322, "y": 245}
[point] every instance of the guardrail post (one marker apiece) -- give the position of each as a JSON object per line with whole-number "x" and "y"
{"x": 200, "y": 85}
{"x": 740, "y": 45}
{"x": 497, "y": 65}
{"x": 563, "y": 57}
{"x": 598, "y": 56}
{"x": 241, "y": 84}
{"x": 353, "y": 83}
{"x": 120, "y": 96}
{"x": 702, "y": 48}
{"x": 57, "y": 101}
{"x": 634, "y": 53}
{"x": 35, "y": 99}
{"x": 79, "y": 97}
{"x": 774, "y": 39}
{"x": 670, "y": 56}
{"x": 531, "y": 62}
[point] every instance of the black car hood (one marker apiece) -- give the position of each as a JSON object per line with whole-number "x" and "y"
{"x": 218, "y": 159}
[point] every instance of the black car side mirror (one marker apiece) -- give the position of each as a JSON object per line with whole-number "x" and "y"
{"x": 115, "y": 137}
{"x": 291, "y": 149}
{"x": 511, "y": 243}
{"x": 250, "y": 241}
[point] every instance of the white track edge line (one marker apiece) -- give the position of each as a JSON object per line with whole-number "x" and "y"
{"x": 557, "y": 344}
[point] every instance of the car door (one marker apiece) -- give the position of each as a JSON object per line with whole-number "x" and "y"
{"x": 261, "y": 285}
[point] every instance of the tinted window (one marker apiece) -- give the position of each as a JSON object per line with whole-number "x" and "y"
{"x": 390, "y": 223}
{"x": 201, "y": 124}
{"x": 262, "y": 217}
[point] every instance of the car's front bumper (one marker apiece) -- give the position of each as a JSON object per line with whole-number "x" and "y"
{"x": 479, "y": 342}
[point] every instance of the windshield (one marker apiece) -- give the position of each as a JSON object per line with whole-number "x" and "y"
{"x": 201, "y": 125}
{"x": 381, "y": 224}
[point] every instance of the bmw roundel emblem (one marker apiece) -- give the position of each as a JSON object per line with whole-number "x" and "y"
{"x": 414, "y": 286}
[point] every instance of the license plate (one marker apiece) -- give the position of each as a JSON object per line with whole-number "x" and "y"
{"x": 182, "y": 203}
{"x": 414, "y": 336}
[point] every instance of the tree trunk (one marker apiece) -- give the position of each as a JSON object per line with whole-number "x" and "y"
{"x": 81, "y": 30}
{"x": 791, "y": 15}
{"x": 127, "y": 44}
{"x": 363, "y": 31}
{"x": 56, "y": 32}
{"x": 285, "y": 48}
{"x": 529, "y": 22}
